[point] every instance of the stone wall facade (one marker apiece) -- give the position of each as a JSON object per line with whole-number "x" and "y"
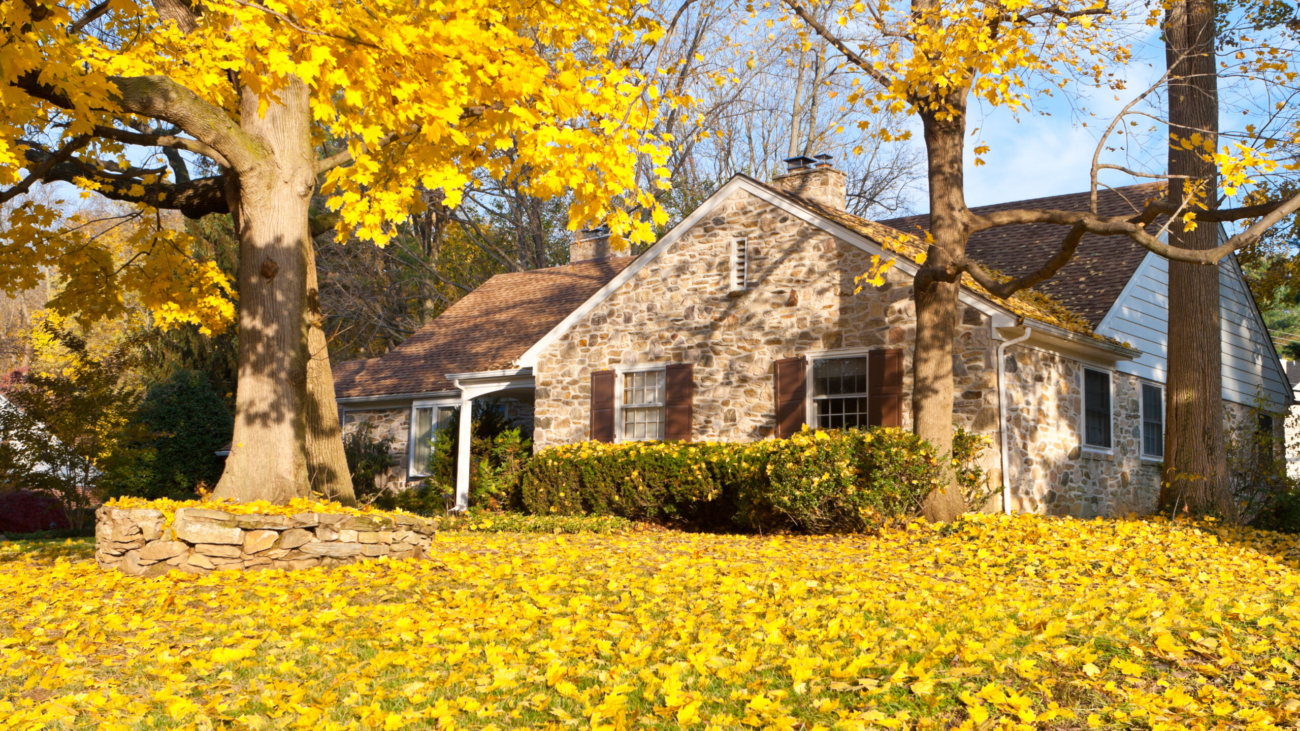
{"x": 138, "y": 542}
{"x": 1051, "y": 472}
{"x": 680, "y": 309}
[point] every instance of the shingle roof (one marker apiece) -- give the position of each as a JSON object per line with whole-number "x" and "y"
{"x": 485, "y": 330}
{"x": 1094, "y": 278}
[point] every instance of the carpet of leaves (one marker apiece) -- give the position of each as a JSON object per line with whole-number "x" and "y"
{"x": 993, "y": 622}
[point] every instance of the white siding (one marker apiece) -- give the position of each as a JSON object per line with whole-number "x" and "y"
{"x": 1140, "y": 317}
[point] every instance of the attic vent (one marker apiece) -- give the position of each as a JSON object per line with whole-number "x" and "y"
{"x": 740, "y": 265}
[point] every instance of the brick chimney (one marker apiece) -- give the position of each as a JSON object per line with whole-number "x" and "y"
{"x": 815, "y": 179}
{"x": 593, "y": 243}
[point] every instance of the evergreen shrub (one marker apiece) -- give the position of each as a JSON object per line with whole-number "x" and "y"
{"x": 814, "y": 482}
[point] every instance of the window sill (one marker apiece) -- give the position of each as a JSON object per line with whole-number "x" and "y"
{"x": 737, "y": 293}
{"x": 1152, "y": 461}
{"x": 1095, "y": 453}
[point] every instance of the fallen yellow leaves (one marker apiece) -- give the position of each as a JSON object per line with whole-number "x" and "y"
{"x": 994, "y": 622}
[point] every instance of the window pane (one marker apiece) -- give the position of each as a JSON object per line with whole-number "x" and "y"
{"x": 1096, "y": 399}
{"x": 422, "y": 441}
{"x": 840, "y": 376}
{"x": 1153, "y": 419}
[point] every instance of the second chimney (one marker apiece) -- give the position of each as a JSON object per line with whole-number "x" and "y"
{"x": 590, "y": 243}
{"x": 814, "y": 179}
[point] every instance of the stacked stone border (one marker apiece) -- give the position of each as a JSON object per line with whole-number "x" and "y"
{"x": 140, "y": 542}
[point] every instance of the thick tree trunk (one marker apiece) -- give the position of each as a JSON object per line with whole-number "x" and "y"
{"x": 936, "y": 306}
{"x": 1195, "y": 463}
{"x": 327, "y": 465}
{"x": 267, "y": 459}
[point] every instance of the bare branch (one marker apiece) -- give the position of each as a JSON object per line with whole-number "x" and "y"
{"x": 1005, "y": 289}
{"x": 840, "y": 46}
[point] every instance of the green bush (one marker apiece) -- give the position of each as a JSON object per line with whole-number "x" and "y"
{"x": 814, "y": 482}
{"x": 172, "y": 440}
{"x": 369, "y": 460}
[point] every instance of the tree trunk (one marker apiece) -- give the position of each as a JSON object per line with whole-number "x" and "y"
{"x": 267, "y": 459}
{"x": 327, "y": 465}
{"x": 1195, "y": 474}
{"x": 936, "y": 306}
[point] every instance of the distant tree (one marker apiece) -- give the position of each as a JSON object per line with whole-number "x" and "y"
{"x": 57, "y": 430}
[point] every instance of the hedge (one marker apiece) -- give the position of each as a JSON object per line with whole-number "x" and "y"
{"x": 814, "y": 482}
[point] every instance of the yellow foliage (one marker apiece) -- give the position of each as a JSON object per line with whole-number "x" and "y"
{"x": 515, "y": 89}
{"x": 994, "y": 622}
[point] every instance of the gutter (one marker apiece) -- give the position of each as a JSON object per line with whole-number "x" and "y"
{"x": 1002, "y": 415}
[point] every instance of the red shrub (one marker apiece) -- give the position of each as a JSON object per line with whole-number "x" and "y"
{"x": 23, "y": 511}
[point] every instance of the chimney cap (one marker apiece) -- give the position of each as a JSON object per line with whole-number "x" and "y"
{"x": 801, "y": 162}
{"x": 824, "y": 160}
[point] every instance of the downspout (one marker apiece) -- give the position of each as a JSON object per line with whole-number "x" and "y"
{"x": 1002, "y": 416}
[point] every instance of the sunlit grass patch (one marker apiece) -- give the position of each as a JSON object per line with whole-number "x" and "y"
{"x": 1016, "y": 622}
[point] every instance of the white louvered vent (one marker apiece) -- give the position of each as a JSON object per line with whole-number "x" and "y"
{"x": 740, "y": 265}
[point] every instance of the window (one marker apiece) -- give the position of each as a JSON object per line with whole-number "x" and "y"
{"x": 1153, "y": 421}
{"x": 740, "y": 265}
{"x": 425, "y": 426}
{"x": 643, "y": 405}
{"x": 1264, "y": 425}
{"x": 1096, "y": 409}
{"x": 840, "y": 392}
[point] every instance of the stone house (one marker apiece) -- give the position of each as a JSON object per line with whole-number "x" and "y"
{"x": 748, "y": 320}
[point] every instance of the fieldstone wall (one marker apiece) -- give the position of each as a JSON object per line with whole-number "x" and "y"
{"x": 679, "y": 308}
{"x": 138, "y": 542}
{"x": 1051, "y": 472}
{"x": 394, "y": 423}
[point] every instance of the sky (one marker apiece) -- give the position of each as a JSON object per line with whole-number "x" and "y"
{"x": 1035, "y": 154}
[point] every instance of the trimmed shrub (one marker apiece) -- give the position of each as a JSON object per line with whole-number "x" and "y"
{"x": 814, "y": 482}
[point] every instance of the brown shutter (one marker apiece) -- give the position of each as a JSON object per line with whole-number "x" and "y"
{"x": 885, "y": 387}
{"x": 602, "y": 406}
{"x": 791, "y": 389}
{"x": 679, "y": 395}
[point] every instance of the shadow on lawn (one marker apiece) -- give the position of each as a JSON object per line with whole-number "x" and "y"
{"x": 45, "y": 548}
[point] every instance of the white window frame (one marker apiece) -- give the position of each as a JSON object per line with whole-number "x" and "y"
{"x": 740, "y": 278}
{"x": 1083, "y": 409}
{"x": 434, "y": 404}
{"x": 619, "y": 373}
{"x": 1142, "y": 419}
{"x": 810, "y": 366}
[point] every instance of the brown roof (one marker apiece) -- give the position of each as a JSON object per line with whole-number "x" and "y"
{"x": 1094, "y": 278}
{"x": 487, "y": 329}
{"x": 1032, "y": 304}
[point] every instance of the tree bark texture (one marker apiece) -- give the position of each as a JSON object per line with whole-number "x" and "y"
{"x": 1195, "y": 475}
{"x": 936, "y": 305}
{"x": 267, "y": 459}
{"x": 327, "y": 464}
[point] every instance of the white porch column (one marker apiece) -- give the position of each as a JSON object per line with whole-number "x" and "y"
{"x": 463, "y": 454}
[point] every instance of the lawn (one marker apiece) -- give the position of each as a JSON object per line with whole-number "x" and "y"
{"x": 995, "y": 622}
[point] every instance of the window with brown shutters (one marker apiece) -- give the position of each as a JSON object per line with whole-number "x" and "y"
{"x": 602, "y": 406}
{"x": 885, "y": 374}
{"x": 790, "y": 385}
{"x": 678, "y": 401}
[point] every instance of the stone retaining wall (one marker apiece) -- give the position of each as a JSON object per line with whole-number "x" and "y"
{"x": 138, "y": 542}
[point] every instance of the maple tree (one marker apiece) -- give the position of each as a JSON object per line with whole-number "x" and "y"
{"x": 933, "y": 59}
{"x": 248, "y": 109}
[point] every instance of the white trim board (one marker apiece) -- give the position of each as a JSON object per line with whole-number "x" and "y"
{"x": 758, "y": 190}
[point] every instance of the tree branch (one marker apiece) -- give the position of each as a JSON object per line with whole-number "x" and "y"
{"x": 43, "y": 168}
{"x": 194, "y": 199}
{"x": 1005, "y": 289}
{"x": 91, "y": 16}
{"x": 840, "y": 46}
{"x": 326, "y": 164}
{"x": 161, "y": 140}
